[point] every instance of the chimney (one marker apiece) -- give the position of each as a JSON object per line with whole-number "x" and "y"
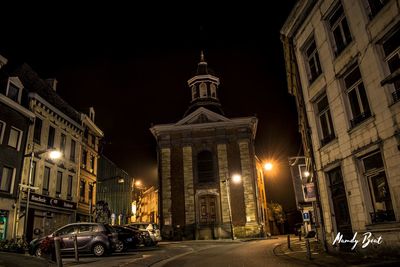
{"x": 91, "y": 113}
{"x": 53, "y": 83}
{"x": 3, "y": 61}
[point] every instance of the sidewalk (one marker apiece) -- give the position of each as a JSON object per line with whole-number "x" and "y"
{"x": 21, "y": 260}
{"x": 298, "y": 252}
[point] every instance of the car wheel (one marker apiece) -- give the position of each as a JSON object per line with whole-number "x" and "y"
{"x": 119, "y": 246}
{"x": 148, "y": 242}
{"x": 99, "y": 250}
{"x": 38, "y": 252}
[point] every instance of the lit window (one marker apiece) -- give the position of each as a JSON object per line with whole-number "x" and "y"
{"x": 340, "y": 30}
{"x": 357, "y": 97}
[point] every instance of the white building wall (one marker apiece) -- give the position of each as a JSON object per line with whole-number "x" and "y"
{"x": 375, "y": 132}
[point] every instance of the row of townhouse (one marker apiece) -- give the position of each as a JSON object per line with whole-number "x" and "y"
{"x": 39, "y": 194}
{"x": 343, "y": 65}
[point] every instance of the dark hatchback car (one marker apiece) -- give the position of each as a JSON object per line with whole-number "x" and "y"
{"x": 96, "y": 238}
{"x": 145, "y": 235}
{"x": 128, "y": 238}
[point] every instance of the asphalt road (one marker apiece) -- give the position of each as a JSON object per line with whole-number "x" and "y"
{"x": 243, "y": 254}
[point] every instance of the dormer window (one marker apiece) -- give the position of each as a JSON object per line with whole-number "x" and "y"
{"x": 13, "y": 92}
{"x": 14, "y": 89}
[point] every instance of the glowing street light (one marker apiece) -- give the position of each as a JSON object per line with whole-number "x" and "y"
{"x": 268, "y": 166}
{"x": 236, "y": 178}
{"x": 306, "y": 174}
{"x": 53, "y": 154}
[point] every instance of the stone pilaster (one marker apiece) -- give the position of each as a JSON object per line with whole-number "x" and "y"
{"x": 188, "y": 185}
{"x": 166, "y": 184}
{"x": 248, "y": 181}
{"x": 223, "y": 174}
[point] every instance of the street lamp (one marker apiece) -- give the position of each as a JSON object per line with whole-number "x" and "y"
{"x": 53, "y": 154}
{"x": 236, "y": 178}
{"x": 268, "y": 166}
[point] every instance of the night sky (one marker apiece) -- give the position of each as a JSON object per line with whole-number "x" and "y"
{"x": 131, "y": 63}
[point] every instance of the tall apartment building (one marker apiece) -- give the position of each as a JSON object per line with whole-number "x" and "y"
{"x": 88, "y": 167}
{"x": 57, "y": 126}
{"x": 15, "y": 120}
{"x": 343, "y": 64}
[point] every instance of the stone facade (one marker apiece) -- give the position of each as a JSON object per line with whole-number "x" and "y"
{"x": 87, "y": 184}
{"x": 341, "y": 59}
{"x": 197, "y": 158}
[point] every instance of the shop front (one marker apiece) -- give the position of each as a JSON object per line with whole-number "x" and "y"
{"x": 47, "y": 214}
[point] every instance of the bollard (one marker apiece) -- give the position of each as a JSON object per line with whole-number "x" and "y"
{"x": 58, "y": 251}
{"x": 308, "y": 249}
{"x": 299, "y": 236}
{"x": 76, "y": 248}
{"x": 288, "y": 241}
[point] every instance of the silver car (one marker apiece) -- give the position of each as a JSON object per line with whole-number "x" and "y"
{"x": 152, "y": 228}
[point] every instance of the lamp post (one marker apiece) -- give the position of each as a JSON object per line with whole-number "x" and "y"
{"x": 53, "y": 154}
{"x": 236, "y": 179}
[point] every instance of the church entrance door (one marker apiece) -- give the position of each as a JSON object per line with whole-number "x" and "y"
{"x": 207, "y": 207}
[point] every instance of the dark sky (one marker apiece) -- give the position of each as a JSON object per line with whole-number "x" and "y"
{"x": 131, "y": 63}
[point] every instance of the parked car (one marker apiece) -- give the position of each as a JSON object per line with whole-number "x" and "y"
{"x": 152, "y": 228}
{"x": 127, "y": 238}
{"x": 145, "y": 235}
{"x": 96, "y": 238}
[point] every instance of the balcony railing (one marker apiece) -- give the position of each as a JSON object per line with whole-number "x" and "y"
{"x": 382, "y": 216}
{"x": 360, "y": 118}
{"x": 396, "y": 95}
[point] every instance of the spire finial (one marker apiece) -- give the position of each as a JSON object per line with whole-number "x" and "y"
{"x": 201, "y": 56}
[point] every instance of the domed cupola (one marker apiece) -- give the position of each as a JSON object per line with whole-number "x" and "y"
{"x": 204, "y": 89}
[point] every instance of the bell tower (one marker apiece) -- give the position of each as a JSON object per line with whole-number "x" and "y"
{"x": 204, "y": 89}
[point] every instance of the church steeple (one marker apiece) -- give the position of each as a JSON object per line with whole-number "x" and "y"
{"x": 204, "y": 89}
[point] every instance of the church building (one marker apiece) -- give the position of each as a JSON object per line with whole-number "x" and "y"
{"x": 208, "y": 176}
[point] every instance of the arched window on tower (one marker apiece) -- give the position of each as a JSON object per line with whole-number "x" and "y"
{"x": 203, "y": 90}
{"x": 213, "y": 91}
{"x": 195, "y": 93}
{"x": 205, "y": 167}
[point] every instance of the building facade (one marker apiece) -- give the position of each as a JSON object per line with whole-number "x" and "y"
{"x": 88, "y": 167}
{"x": 15, "y": 120}
{"x": 197, "y": 156}
{"x": 147, "y": 209}
{"x": 342, "y": 60}
{"x": 57, "y": 126}
{"x": 115, "y": 187}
